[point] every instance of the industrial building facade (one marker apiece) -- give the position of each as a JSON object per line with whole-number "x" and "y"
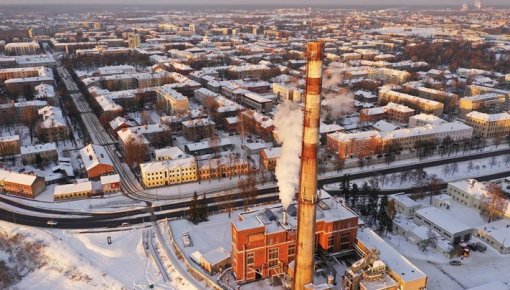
{"x": 264, "y": 242}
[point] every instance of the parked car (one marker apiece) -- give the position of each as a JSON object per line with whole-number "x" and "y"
{"x": 52, "y": 223}
{"x": 481, "y": 247}
{"x": 455, "y": 263}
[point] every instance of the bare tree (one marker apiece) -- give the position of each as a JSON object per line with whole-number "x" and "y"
{"x": 492, "y": 161}
{"x": 29, "y": 117}
{"x": 135, "y": 152}
{"x": 493, "y": 203}
{"x": 248, "y": 190}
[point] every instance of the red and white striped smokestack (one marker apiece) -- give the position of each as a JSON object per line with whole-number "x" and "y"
{"x": 307, "y": 195}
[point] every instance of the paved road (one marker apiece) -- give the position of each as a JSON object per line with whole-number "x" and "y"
{"x": 98, "y": 135}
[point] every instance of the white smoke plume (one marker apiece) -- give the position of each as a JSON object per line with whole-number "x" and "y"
{"x": 337, "y": 101}
{"x": 337, "y": 105}
{"x": 333, "y": 78}
{"x": 288, "y": 122}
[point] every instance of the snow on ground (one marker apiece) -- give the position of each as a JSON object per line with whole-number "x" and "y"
{"x": 478, "y": 269}
{"x": 446, "y": 172}
{"x": 77, "y": 260}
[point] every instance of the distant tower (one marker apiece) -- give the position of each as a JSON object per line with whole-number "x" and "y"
{"x": 30, "y": 33}
{"x": 478, "y": 4}
{"x": 465, "y": 7}
{"x": 134, "y": 40}
{"x": 193, "y": 28}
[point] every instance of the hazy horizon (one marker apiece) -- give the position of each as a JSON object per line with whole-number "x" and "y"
{"x": 253, "y": 2}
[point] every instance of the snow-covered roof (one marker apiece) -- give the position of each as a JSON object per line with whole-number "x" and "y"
{"x": 93, "y": 155}
{"x": 274, "y": 152}
{"x": 345, "y": 137}
{"x": 72, "y": 188}
{"x": 10, "y": 138}
{"x": 216, "y": 256}
{"x": 391, "y": 257}
{"x": 39, "y": 148}
{"x": 19, "y": 178}
{"x": 428, "y": 118}
{"x": 384, "y": 126}
{"x": 488, "y": 117}
{"x": 159, "y": 166}
{"x": 444, "y": 221}
{"x": 405, "y": 200}
{"x": 328, "y": 210}
{"x": 52, "y": 117}
{"x": 107, "y": 179}
{"x": 207, "y": 144}
{"x": 169, "y": 152}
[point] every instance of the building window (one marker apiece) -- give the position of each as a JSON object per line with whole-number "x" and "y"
{"x": 250, "y": 260}
{"x": 273, "y": 257}
{"x": 292, "y": 250}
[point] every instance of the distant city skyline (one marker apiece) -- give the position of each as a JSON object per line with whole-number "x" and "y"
{"x": 254, "y": 2}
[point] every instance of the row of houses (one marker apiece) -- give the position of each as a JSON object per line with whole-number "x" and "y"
{"x": 368, "y": 143}
{"x": 188, "y": 169}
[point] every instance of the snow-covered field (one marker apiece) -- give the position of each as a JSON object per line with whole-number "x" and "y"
{"x": 447, "y": 173}
{"x": 478, "y": 269}
{"x": 74, "y": 260}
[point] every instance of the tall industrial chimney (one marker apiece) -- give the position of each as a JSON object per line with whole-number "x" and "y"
{"x": 307, "y": 195}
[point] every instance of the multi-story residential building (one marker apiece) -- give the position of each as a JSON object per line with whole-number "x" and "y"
{"x": 22, "y": 48}
{"x": 269, "y": 157}
{"x": 155, "y": 134}
{"x": 264, "y": 242}
{"x": 424, "y": 119}
{"x": 489, "y": 125}
{"x": 224, "y": 166}
{"x": 45, "y": 92}
{"x": 175, "y": 102}
{"x": 416, "y": 88}
{"x": 407, "y": 138}
{"x": 354, "y": 144}
{"x": 490, "y": 103}
{"x": 256, "y": 123}
{"x": 96, "y": 161}
{"x": 21, "y": 184}
{"x": 287, "y": 92}
{"x": 198, "y": 129}
{"x": 10, "y": 145}
{"x": 370, "y": 142}
{"x": 41, "y": 152}
{"x": 386, "y": 94}
{"x": 53, "y": 127}
{"x": 168, "y": 172}
{"x": 257, "y": 102}
{"x": 470, "y": 192}
{"x": 25, "y": 73}
{"x": 392, "y": 111}
{"x": 248, "y": 71}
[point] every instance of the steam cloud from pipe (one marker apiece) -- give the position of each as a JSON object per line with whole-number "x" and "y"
{"x": 337, "y": 101}
{"x": 337, "y": 105}
{"x": 288, "y": 122}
